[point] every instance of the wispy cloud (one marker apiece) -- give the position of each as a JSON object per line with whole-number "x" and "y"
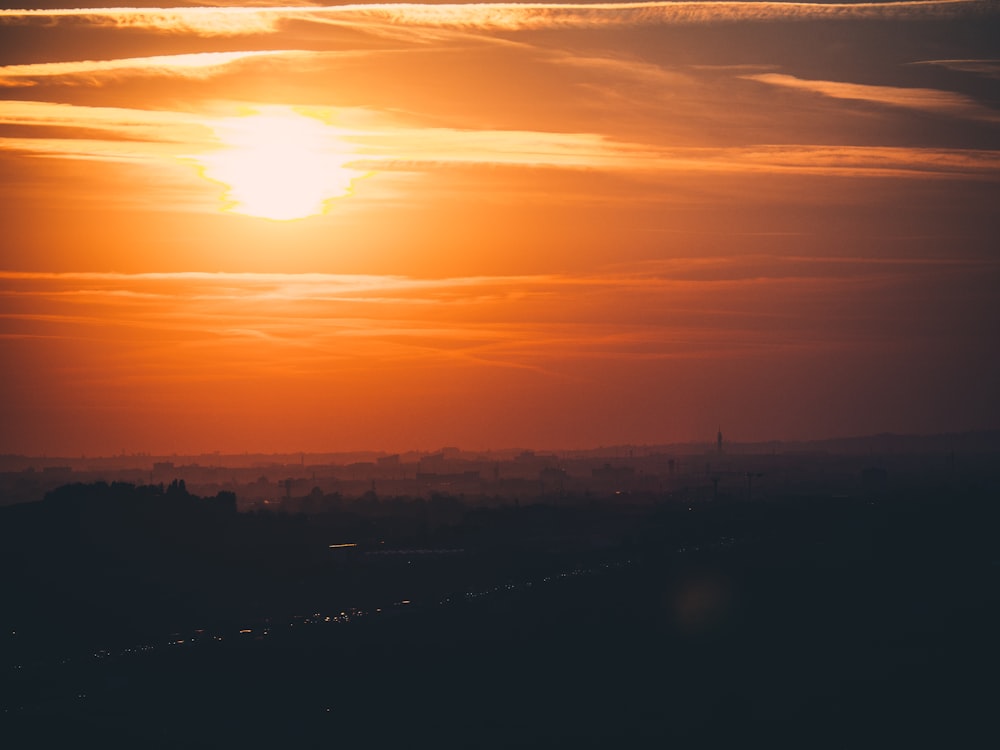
{"x": 218, "y": 21}
{"x": 134, "y": 135}
{"x": 152, "y": 139}
{"x": 194, "y": 65}
{"x": 250, "y": 349}
{"x": 650, "y": 296}
{"x": 925, "y": 100}
{"x": 126, "y": 121}
{"x": 985, "y": 68}
{"x": 860, "y": 161}
{"x": 241, "y": 20}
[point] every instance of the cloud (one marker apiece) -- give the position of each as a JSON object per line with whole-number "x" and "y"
{"x": 860, "y": 161}
{"x": 539, "y": 16}
{"x": 241, "y": 20}
{"x": 401, "y": 147}
{"x": 925, "y": 100}
{"x": 985, "y": 68}
{"x": 155, "y": 133}
{"x": 175, "y": 143}
{"x": 195, "y": 338}
{"x": 225, "y": 21}
{"x": 378, "y": 144}
{"x": 194, "y": 65}
{"x": 110, "y": 134}
{"x": 666, "y": 280}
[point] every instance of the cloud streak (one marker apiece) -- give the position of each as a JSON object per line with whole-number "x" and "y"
{"x": 351, "y": 342}
{"x": 932, "y": 101}
{"x": 194, "y": 65}
{"x": 151, "y": 136}
{"x": 224, "y": 327}
{"x": 984, "y": 68}
{"x": 232, "y": 21}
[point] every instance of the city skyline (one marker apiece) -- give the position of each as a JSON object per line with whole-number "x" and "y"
{"x": 399, "y": 227}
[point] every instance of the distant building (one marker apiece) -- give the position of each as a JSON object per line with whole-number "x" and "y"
{"x": 552, "y": 479}
{"x": 444, "y": 478}
{"x": 431, "y": 463}
{"x": 613, "y": 473}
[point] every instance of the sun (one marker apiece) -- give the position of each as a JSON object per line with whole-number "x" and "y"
{"x": 279, "y": 164}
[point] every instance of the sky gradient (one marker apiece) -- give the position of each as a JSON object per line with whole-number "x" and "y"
{"x": 496, "y": 225}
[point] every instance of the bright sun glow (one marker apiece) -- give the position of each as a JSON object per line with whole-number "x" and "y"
{"x": 279, "y": 164}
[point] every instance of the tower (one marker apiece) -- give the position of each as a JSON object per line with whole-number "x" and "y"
{"x": 718, "y": 441}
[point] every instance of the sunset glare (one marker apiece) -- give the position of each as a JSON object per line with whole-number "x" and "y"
{"x": 278, "y": 164}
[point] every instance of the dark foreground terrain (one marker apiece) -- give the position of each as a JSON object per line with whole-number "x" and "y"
{"x": 147, "y": 618}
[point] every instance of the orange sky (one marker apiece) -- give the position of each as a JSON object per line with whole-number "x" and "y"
{"x": 538, "y": 225}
